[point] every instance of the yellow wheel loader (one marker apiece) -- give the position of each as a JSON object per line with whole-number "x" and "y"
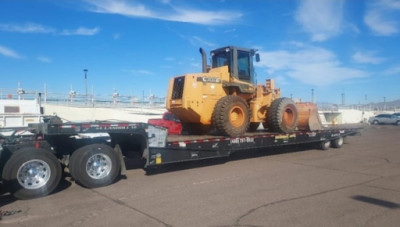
{"x": 225, "y": 97}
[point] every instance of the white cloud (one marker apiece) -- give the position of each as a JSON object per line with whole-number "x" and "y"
{"x": 197, "y": 41}
{"x": 382, "y": 17}
{"x": 173, "y": 13}
{"x": 41, "y": 29}
{"x": 141, "y": 72}
{"x": 26, "y": 28}
{"x": 7, "y": 52}
{"x": 322, "y": 19}
{"x": 195, "y": 65}
{"x": 44, "y": 59}
{"x": 393, "y": 71}
{"x": 81, "y": 31}
{"x": 309, "y": 65}
{"x": 116, "y": 36}
{"x": 367, "y": 57}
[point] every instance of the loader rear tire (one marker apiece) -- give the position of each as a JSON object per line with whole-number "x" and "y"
{"x": 282, "y": 116}
{"x": 231, "y": 116}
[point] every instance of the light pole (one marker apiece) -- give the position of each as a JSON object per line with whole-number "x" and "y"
{"x": 85, "y": 71}
{"x": 312, "y": 95}
{"x": 384, "y": 103}
{"x": 343, "y": 101}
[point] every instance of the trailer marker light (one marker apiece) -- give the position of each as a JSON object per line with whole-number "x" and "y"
{"x": 158, "y": 158}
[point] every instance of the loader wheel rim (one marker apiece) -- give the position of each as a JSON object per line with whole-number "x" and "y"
{"x": 33, "y": 174}
{"x": 289, "y": 117}
{"x": 98, "y": 166}
{"x": 236, "y": 116}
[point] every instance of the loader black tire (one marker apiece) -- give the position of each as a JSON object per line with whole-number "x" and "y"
{"x": 32, "y": 173}
{"x": 282, "y": 116}
{"x": 231, "y": 116}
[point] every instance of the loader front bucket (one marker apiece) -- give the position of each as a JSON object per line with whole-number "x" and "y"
{"x": 308, "y": 117}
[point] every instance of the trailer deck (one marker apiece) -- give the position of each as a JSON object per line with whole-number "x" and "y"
{"x": 31, "y": 163}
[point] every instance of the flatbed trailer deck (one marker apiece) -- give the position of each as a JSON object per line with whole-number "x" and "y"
{"x": 31, "y": 164}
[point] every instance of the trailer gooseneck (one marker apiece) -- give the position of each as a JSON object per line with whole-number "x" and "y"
{"x": 31, "y": 165}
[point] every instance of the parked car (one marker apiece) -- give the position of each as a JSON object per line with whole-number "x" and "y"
{"x": 385, "y": 119}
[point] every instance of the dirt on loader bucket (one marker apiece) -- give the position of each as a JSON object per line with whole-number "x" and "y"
{"x": 308, "y": 117}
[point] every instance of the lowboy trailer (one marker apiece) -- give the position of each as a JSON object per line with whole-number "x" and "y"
{"x": 31, "y": 164}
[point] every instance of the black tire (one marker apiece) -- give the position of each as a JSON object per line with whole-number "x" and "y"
{"x": 325, "y": 145}
{"x": 375, "y": 122}
{"x": 32, "y": 173}
{"x": 231, "y": 116}
{"x": 282, "y": 116}
{"x": 253, "y": 126}
{"x": 95, "y": 165}
{"x": 397, "y": 123}
{"x": 196, "y": 128}
{"x": 337, "y": 143}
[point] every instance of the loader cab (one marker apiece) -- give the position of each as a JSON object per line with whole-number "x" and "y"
{"x": 238, "y": 60}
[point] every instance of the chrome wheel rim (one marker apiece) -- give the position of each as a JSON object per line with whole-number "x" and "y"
{"x": 340, "y": 141}
{"x": 98, "y": 166}
{"x": 33, "y": 174}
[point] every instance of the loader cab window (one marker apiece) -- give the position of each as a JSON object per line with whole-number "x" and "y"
{"x": 220, "y": 59}
{"x": 244, "y": 65}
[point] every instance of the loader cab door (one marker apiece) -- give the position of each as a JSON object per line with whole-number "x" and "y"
{"x": 244, "y": 66}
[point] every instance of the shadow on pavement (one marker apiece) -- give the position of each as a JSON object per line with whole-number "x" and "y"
{"x": 378, "y": 202}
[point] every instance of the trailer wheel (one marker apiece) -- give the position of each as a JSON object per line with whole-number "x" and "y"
{"x": 32, "y": 173}
{"x": 337, "y": 143}
{"x": 282, "y": 115}
{"x": 95, "y": 165}
{"x": 231, "y": 116}
{"x": 325, "y": 145}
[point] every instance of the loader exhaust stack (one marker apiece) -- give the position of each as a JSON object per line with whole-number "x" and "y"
{"x": 204, "y": 60}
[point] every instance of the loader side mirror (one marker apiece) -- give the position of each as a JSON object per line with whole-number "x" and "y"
{"x": 257, "y": 57}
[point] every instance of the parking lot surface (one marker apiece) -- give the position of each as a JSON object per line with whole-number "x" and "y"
{"x": 356, "y": 185}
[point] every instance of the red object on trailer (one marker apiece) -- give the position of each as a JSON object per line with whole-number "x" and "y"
{"x": 169, "y": 121}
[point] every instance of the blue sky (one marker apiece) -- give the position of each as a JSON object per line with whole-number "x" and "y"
{"x": 134, "y": 47}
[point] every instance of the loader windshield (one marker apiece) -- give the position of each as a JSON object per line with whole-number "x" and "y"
{"x": 221, "y": 58}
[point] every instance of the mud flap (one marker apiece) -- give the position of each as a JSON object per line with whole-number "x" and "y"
{"x": 117, "y": 149}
